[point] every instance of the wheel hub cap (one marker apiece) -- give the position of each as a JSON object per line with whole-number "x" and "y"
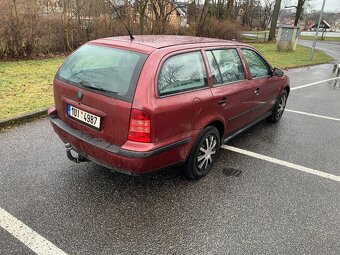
{"x": 207, "y": 149}
{"x": 281, "y": 106}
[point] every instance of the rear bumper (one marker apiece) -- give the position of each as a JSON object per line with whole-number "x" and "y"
{"x": 114, "y": 157}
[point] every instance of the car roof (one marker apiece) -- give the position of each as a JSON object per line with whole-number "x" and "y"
{"x": 151, "y": 42}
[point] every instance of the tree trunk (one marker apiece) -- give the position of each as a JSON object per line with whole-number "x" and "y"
{"x": 203, "y": 17}
{"x": 142, "y": 16}
{"x": 275, "y": 17}
{"x": 298, "y": 11}
{"x": 230, "y": 7}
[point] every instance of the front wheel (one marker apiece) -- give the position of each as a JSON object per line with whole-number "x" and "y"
{"x": 279, "y": 107}
{"x": 203, "y": 154}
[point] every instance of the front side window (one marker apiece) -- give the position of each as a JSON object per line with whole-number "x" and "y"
{"x": 104, "y": 69}
{"x": 226, "y": 66}
{"x": 182, "y": 73}
{"x": 258, "y": 67}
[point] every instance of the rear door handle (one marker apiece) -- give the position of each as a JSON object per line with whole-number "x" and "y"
{"x": 222, "y": 101}
{"x": 257, "y": 91}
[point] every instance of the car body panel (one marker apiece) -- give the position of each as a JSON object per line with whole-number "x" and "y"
{"x": 237, "y": 108}
{"x": 114, "y": 113}
{"x": 265, "y": 90}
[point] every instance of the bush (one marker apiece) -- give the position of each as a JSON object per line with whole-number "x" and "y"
{"x": 20, "y": 28}
{"x": 221, "y": 29}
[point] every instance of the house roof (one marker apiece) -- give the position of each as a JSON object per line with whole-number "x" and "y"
{"x": 161, "y": 41}
{"x": 323, "y": 24}
{"x": 181, "y": 8}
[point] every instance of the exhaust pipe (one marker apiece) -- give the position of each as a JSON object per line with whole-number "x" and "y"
{"x": 78, "y": 159}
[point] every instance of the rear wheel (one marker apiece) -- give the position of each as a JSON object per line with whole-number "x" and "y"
{"x": 203, "y": 154}
{"x": 279, "y": 107}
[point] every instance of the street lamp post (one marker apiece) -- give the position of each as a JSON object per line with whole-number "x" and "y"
{"x": 317, "y": 31}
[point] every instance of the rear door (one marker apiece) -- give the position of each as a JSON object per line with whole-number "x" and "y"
{"x": 183, "y": 94}
{"x": 94, "y": 89}
{"x": 233, "y": 92}
{"x": 264, "y": 83}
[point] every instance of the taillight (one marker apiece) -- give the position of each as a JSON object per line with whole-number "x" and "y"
{"x": 140, "y": 127}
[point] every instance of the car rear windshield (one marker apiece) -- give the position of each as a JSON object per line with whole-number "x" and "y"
{"x": 109, "y": 71}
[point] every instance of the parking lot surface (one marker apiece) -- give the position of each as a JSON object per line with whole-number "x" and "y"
{"x": 246, "y": 205}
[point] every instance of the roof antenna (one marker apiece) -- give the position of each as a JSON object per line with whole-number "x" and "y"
{"x": 120, "y": 17}
{"x": 130, "y": 34}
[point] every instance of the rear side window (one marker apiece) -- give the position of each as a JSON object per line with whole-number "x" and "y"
{"x": 258, "y": 67}
{"x": 226, "y": 66}
{"x": 182, "y": 73}
{"x": 104, "y": 70}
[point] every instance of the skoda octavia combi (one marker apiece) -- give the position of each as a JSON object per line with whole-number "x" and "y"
{"x": 139, "y": 105}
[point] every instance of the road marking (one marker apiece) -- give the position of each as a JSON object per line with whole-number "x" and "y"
{"x": 24, "y": 234}
{"x": 314, "y": 83}
{"x": 283, "y": 163}
{"x": 314, "y": 115}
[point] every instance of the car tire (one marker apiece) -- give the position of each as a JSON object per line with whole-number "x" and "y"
{"x": 278, "y": 108}
{"x": 203, "y": 154}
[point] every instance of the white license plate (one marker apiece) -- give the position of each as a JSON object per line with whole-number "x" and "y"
{"x": 83, "y": 116}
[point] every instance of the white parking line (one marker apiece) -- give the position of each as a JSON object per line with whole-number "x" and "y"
{"x": 314, "y": 83}
{"x": 24, "y": 234}
{"x": 283, "y": 163}
{"x": 313, "y": 115}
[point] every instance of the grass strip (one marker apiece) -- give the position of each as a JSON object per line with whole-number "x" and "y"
{"x": 26, "y": 86}
{"x": 289, "y": 58}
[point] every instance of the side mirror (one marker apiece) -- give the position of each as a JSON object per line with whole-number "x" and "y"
{"x": 277, "y": 72}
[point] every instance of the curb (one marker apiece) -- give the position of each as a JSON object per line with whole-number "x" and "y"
{"x": 308, "y": 65}
{"x": 23, "y": 118}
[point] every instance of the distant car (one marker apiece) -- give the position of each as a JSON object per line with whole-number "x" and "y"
{"x": 144, "y": 104}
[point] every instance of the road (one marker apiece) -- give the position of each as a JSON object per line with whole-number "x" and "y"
{"x": 246, "y": 205}
{"x": 261, "y": 34}
{"x": 331, "y": 48}
{"x": 327, "y": 34}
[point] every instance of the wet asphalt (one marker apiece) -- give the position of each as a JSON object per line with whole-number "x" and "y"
{"x": 244, "y": 206}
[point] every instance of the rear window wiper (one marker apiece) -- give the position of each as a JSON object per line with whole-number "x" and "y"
{"x": 91, "y": 86}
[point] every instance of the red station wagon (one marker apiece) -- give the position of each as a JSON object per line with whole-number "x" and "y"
{"x": 144, "y": 104}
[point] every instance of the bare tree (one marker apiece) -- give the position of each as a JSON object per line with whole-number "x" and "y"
{"x": 142, "y": 9}
{"x": 202, "y": 18}
{"x": 265, "y": 15}
{"x": 250, "y": 12}
{"x": 275, "y": 17}
{"x": 229, "y": 9}
{"x": 162, "y": 9}
{"x": 299, "y": 9}
{"x": 20, "y": 27}
{"x": 31, "y": 27}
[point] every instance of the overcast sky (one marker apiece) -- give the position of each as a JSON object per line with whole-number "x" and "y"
{"x": 330, "y": 5}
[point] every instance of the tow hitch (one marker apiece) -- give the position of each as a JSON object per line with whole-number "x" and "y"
{"x": 77, "y": 159}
